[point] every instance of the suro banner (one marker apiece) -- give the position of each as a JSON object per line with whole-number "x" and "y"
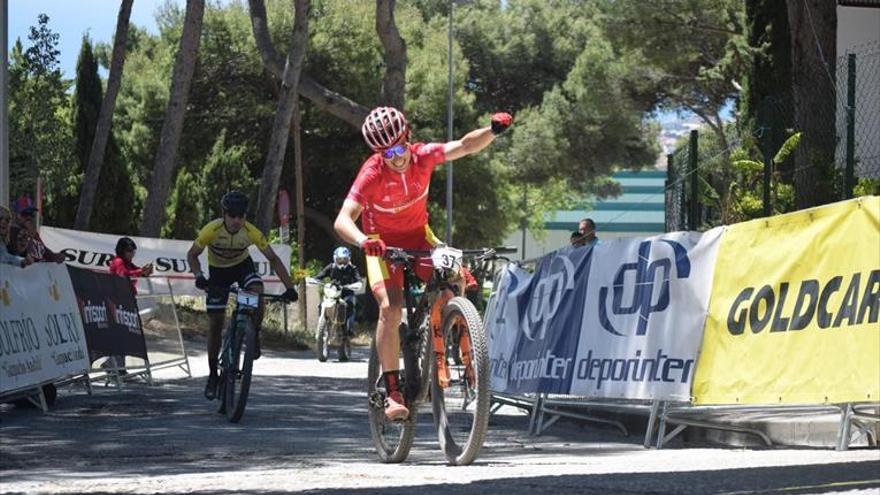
{"x": 795, "y": 307}
{"x": 622, "y": 319}
{"x": 41, "y": 334}
{"x": 94, "y": 251}
{"x": 110, "y": 315}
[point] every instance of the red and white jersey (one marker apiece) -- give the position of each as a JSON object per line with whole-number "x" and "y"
{"x": 396, "y": 202}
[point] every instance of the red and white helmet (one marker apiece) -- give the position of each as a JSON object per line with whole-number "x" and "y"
{"x": 383, "y": 127}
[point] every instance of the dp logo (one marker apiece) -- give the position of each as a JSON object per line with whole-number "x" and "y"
{"x": 647, "y": 275}
{"x": 547, "y": 296}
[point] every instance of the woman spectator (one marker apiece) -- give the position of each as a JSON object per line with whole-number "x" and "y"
{"x": 5, "y": 255}
{"x": 123, "y": 265}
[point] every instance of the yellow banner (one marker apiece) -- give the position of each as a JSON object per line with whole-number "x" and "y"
{"x": 793, "y": 316}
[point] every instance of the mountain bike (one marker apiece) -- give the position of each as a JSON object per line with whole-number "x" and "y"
{"x": 333, "y": 320}
{"x": 444, "y": 356}
{"x": 237, "y": 354}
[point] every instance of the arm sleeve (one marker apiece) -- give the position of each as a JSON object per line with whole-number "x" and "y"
{"x": 116, "y": 267}
{"x": 433, "y": 153}
{"x": 323, "y": 272}
{"x": 206, "y": 235}
{"x": 256, "y": 236}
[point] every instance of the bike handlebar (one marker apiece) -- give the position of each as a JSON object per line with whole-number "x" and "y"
{"x": 396, "y": 254}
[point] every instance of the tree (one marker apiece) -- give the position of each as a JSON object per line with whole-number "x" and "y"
{"x": 813, "y": 36}
{"x": 328, "y": 100}
{"x": 115, "y": 208}
{"x": 105, "y": 120}
{"x": 163, "y": 170}
{"x": 394, "y": 82}
{"x": 283, "y": 114}
{"x": 40, "y": 140}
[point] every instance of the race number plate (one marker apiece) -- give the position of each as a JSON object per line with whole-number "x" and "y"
{"x": 446, "y": 257}
{"x": 247, "y": 299}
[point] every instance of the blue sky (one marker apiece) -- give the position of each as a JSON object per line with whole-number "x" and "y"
{"x": 73, "y": 18}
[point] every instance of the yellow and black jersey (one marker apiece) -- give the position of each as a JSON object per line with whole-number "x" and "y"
{"x": 228, "y": 249}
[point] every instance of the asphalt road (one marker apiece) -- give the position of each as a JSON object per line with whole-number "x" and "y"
{"x": 305, "y": 430}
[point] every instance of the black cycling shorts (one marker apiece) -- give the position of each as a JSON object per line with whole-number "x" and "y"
{"x": 221, "y": 279}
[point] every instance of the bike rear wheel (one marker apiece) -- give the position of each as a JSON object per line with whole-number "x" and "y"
{"x": 239, "y": 365}
{"x": 392, "y": 440}
{"x": 461, "y": 409}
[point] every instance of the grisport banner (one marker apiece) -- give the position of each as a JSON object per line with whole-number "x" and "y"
{"x": 622, "y": 319}
{"x": 111, "y": 320}
{"x": 41, "y": 334}
{"x": 646, "y": 301}
{"x": 793, "y": 317}
{"x": 94, "y": 251}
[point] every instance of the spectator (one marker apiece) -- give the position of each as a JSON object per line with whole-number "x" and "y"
{"x": 7, "y": 257}
{"x": 123, "y": 264}
{"x": 587, "y": 231}
{"x": 27, "y": 239}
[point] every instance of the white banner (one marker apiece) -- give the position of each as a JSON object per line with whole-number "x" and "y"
{"x": 647, "y": 301}
{"x": 94, "y": 251}
{"x": 41, "y": 333}
{"x": 623, "y": 319}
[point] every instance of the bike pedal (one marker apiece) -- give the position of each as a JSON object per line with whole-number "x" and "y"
{"x": 377, "y": 400}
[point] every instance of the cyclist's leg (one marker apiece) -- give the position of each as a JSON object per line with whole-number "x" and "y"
{"x": 251, "y": 281}
{"x": 215, "y": 301}
{"x": 386, "y": 285}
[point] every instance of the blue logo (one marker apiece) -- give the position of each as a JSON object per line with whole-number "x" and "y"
{"x": 646, "y": 275}
{"x": 546, "y": 297}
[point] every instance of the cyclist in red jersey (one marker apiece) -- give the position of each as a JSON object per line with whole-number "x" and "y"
{"x": 390, "y": 196}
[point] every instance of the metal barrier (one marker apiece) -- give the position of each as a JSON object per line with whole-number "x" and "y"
{"x": 164, "y": 341}
{"x": 544, "y": 410}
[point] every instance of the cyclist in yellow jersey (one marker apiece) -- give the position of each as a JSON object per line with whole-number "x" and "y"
{"x": 227, "y": 240}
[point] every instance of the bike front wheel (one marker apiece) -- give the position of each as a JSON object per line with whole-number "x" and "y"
{"x": 322, "y": 345}
{"x": 239, "y": 365}
{"x": 392, "y": 440}
{"x": 460, "y": 387}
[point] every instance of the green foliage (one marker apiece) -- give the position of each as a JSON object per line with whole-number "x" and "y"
{"x": 116, "y": 209}
{"x": 867, "y": 187}
{"x": 746, "y": 190}
{"x": 787, "y": 148}
{"x": 40, "y": 138}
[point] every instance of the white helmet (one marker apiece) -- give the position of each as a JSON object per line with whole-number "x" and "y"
{"x": 383, "y": 127}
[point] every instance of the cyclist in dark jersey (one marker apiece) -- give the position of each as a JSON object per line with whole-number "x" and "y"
{"x": 390, "y": 196}
{"x": 227, "y": 240}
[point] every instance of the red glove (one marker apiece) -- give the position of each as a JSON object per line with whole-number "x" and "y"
{"x": 500, "y": 122}
{"x": 374, "y": 247}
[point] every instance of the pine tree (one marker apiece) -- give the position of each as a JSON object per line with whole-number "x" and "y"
{"x": 114, "y": 205}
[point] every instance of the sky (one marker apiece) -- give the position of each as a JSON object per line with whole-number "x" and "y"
{"x": 73, "y": 18}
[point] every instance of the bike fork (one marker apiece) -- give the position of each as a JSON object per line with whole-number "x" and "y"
{"x": 443, "y": 376}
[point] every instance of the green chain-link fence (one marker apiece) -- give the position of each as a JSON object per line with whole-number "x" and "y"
{"x": 839, "y": 143}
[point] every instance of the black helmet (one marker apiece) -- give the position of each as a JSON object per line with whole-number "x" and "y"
{"x": 235, "y": 203}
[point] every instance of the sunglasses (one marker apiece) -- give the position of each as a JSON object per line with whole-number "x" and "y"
{"x": 396, "y": 150}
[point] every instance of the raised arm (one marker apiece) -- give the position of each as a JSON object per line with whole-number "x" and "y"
{"x": 476, "y": 140}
